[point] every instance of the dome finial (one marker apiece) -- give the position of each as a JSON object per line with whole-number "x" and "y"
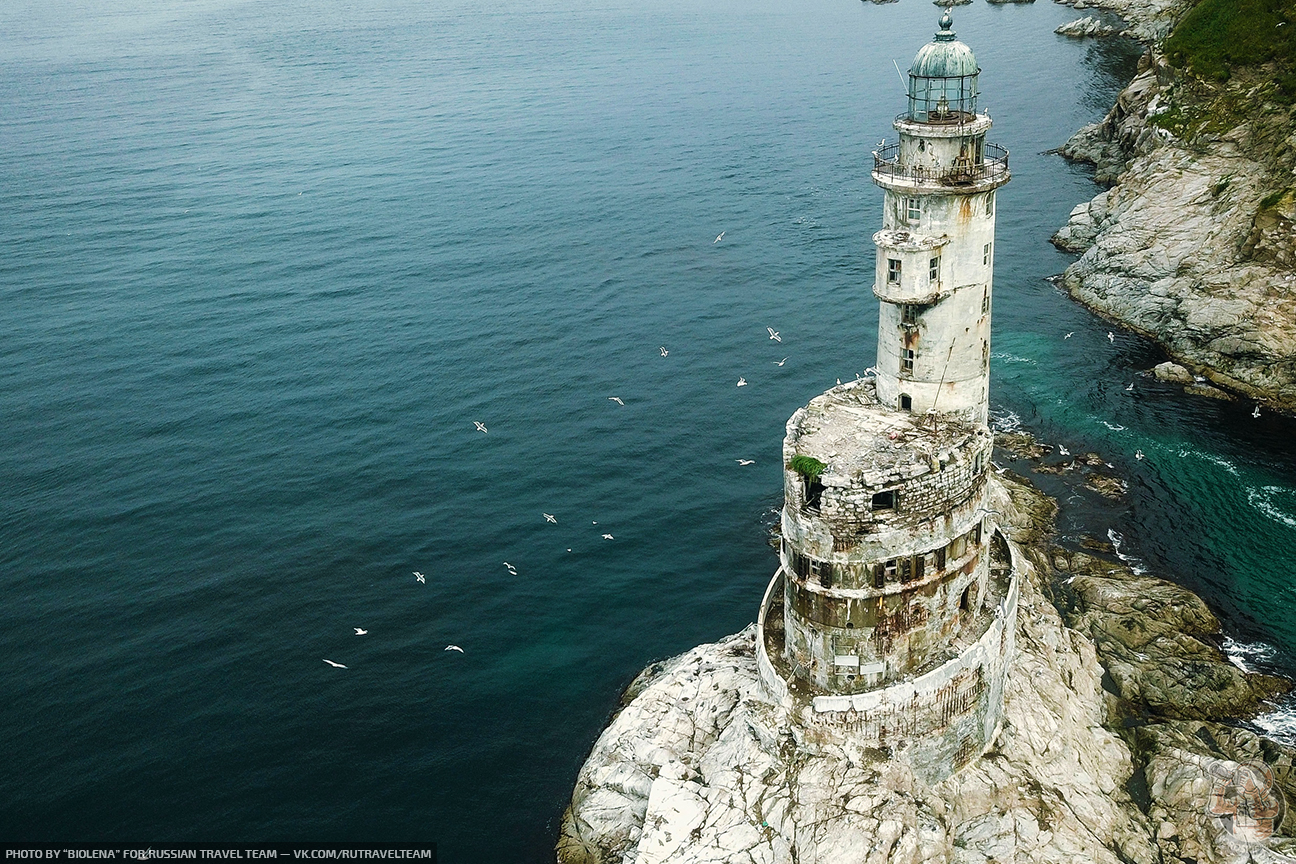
{"x": 946, "y": 32}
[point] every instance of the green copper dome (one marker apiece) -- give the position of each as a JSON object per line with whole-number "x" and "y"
{"x": 944, "y": 56}
{"x": 943, "y": 79}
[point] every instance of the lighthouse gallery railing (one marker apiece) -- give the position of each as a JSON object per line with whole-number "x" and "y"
{"x": 993, "y": 166}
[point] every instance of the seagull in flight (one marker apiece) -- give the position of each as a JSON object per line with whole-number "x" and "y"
{"x": 1111, "y": 337}
{"x": 616, "y": 400}
{"x": 1130, "y": 388}
{"x": 359, "y": 631}
{"x": 742, "y": 382}
{"x": 549, "y": 517}
{"x": 1256, "y": 412}
{"x": 453, "y": 648}
{"x": 512, "y": 570}
{"x": 745, "y": 461}
{"x": 774, "y": 334}
{"x": 718, "y": 238}
{"x": 1063, "y": 450}
{"x": 1069, "y": 335}
{"x": 781, "y": 362}
{"x": 1138, "y": 454}
{"x": 481, "y": 427}
{"x": 663, "y": 350}
{"x": 419, "y": 577}
{"x": 608, "y": 537}
{"x": 338, "y": 665}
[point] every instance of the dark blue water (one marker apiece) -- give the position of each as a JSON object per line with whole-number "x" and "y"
{"x": 262, "y": 265}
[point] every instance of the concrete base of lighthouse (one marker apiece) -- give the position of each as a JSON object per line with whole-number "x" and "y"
{"x": 936, "y": 721}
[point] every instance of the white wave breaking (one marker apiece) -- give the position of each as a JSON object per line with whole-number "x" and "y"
{"x": 1135, "y": 564}
{"x": 1262, "y": 499}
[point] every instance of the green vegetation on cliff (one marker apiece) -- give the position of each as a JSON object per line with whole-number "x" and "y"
{"x": 1219, "y": 36}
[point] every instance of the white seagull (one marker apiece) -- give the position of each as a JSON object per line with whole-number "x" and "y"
{"x": 1130, "y": 388}
{"x": 718, "y": 238}
{"x": 1111, "y": 337}
{"x": 1256, "y": 412}
{"x": 453, "y": 648}
{"x": 745, "y": 461}
{"x": 663, "y": 350}
{"x": 616, "y": 400}
{"x": 781, "y": 362}
{"x": 512, "y": 570}
{"x": 419, "y": 576}
{"x": 359, "y": 631}
{"x": 1063, "y": 450}
{"x": 1138, "y": 454}
{"x": 742, "y": 382}
{"x": 774, "y": 334}
{"x": 338, "y": 665}
{"x": 1069, "y": 335}
{"x": 608, "y": 537}
{"x": 481, "y": 427}
{"x": 549, "y": 517}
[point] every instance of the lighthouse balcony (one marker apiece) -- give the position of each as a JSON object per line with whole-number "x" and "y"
{"x": 963, "y": 175}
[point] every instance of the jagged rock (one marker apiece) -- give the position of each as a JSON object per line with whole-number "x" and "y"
{"x": 1191, "y": 248}
{"x": 1171, "y": 371}
{"x": 1108, "y": 487}
{"x": 1198, "y": 389}
{"x": 1149, "y": 20}
{"x": 1085, "y": 27}
{"x": 1022, "y": 445}
{"x": 1159, "y": 643}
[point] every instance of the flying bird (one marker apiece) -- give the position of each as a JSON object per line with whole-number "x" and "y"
{"x": 1063, "y": 450}
{"x": 742, "y": 382}
{"x": 1138, "y": 454}
{"x": 481, "y": 427}
{"x": 1256, "y": 412}
{"x": 419, "y": 576}
{"x": 512, "y": 570}
{"x": 338, "y": 665}
{"x": 774, "y": 334}
{"x": 781, "y": 362}
{"x": 453, "y": 648}
{"x": 1130, "y": 388}
{"x": 1111, "y": 337}
{"x": 608, "y": 537}
{"x": 745, "y": 461}
{"x": 718, "y": 238}
{"x": 616, "y": 400}
{"x": 549, "y": 517}
{"x": 359, "y": 631}
{"x": 1069, "y": 335}
{"x": 663, "y": 350}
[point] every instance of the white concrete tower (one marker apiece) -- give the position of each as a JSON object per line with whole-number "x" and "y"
{"x": 935, "y": 252}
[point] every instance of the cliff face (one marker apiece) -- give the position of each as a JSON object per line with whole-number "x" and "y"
{"x": 699, "y": 765}
{"x": 1194, "y": 244}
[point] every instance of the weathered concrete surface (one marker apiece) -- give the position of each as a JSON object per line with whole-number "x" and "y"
{"x": 700, "y": 766}
{"x": 1192, "y": 247}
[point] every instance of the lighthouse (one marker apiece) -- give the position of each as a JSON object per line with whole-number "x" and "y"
{"x": 889, "y": 621}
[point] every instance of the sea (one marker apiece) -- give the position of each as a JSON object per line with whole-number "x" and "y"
{"x": 265, "y": 265}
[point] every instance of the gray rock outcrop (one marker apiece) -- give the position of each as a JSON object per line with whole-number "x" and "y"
{"x": 1191, "y": 247}
{"x": 700, "y": 765}
{"x": 1086, "y": 27}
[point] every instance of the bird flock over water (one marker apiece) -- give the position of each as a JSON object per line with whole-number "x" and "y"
{"x": 550, "y": 518}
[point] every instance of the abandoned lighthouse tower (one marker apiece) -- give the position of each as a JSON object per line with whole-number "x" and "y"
{"x": 889, "y": 621}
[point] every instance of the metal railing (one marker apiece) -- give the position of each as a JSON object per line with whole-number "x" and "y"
{"x": 993, "y": 166}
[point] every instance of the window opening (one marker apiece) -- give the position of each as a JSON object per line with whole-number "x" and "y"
{"x": 879, "y": 576}
{"x": 940, "y": 558}
{"x": 965, "y": 600}
{"x": 933, "y": 269}
{"x": 907, "y": 359}
{"x": 884, "y": 500}
{"x": 913, "y": 208}
{"x": 985, "y": 255}
{"x": 908, "y": 313}
{"x": 906, "y": 402}
{"x": 985, "y": 301}
{"x": 814, "y": 492}
{"x": 989, "y": 203}
{"x": 893, "y": 270}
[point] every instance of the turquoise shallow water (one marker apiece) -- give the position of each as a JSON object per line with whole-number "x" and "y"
{"x": 263, "y": 265}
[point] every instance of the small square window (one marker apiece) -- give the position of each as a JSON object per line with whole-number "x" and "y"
{"x": 933, "y": 269}
{"x": 908, "y": 313}
{"x": 884, "y": 501}
{"x": 913, "y": 208}
{"x": 893, "y": 271}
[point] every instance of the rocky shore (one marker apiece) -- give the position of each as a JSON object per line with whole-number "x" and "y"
{"x": 1117, "y": 728}
{"x": 1194, "y": 242}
